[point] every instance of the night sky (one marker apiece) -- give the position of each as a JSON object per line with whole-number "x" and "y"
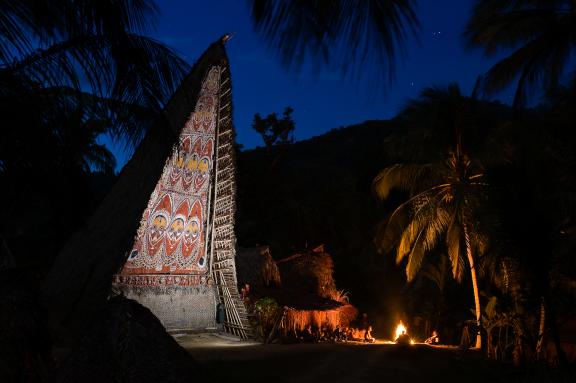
{"x": 321, "y": 101}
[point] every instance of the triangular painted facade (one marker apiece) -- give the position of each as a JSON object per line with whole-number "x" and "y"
{"x": 181, "y": 264}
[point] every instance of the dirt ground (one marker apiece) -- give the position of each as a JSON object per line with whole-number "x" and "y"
{"x": 229, "y": 360}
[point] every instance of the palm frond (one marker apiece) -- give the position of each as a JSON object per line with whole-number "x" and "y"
{"x": 541, "y": 35}
{"x": 416, "y": 257}
{"x": 409, "y": 235}
{"x": 437, "y": 225}
{"x": 410, "y": 178}
{"x": 421, "y": 235}
{"x": 453, "y": 244}
{"x": 100, "y": 158}
{"x": 24, "y": 23}
{"x": 139, "y": 73}
{"x": 341, "y": 33}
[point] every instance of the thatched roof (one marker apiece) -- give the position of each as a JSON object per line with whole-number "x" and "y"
{"x": 309, "y": 292}
{"x": 340, "y": 316}
{"x": 256, "y": 267}
{"x": 80, "y": 280}
{"x": 310, "y": 271}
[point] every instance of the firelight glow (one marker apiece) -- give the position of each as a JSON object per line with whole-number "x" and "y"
{"x": 399, "y": 329}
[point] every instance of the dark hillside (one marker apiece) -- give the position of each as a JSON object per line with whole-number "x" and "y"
{"x": 320, "y": 192}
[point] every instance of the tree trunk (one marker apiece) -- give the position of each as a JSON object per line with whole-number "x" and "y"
{"x": 474, "y": 284}
{"x": 541, "y": 329}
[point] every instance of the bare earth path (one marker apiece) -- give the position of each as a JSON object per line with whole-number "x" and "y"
{"x": 226, "y": 360}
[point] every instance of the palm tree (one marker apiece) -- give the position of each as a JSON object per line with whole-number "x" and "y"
{"x": 540, "y": 33}
{"x": 95, "y": 46}
{"x": 349, "y": 35}
{"x": 443, "y": 202}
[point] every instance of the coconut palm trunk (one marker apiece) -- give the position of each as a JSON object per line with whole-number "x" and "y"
{"x": 541, "y": 329}
{"x": 474, "y": 283}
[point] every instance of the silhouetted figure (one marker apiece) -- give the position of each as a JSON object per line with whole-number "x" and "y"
{"x": 368, "y": 335}
{"x": 403, "y": 338}
{"x": 434, "y": 339}
{"x": 307, "y": 335}
{"x": 220, "y": 316}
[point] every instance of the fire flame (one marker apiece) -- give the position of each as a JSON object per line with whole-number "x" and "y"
{"x": 399, "y": 330}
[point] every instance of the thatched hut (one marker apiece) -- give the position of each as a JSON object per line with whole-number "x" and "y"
{"x": 256, "y": 267}
{"x": 311, "y": 271}
{"x": 309, "y": 294}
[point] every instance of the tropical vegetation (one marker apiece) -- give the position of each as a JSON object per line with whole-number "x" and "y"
{"x": 459, "y": 190}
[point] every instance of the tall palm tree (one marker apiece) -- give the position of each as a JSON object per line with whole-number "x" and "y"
{"x": 357, "y": 37}
{"x": 541, "y": 34}
{"x": 443, "y": 202}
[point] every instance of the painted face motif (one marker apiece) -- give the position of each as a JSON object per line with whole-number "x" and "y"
{"x": 204, "y": 118}
{"x": 179, "y": 161}
{"x": 204, "y": 165}
{"x": 158, "y": 224}
{"x": 211, "y": 83}
{"x": 192, "y": 163}
{"x": 158, "y": 227}
{"x": 176, "y": 228}
{"x": 173, "y": 239}
{"x": 192, "y": 231}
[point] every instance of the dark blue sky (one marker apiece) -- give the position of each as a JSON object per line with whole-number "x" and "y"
{"x": 324, "y": 101}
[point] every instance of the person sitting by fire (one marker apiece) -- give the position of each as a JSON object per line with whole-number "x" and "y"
{"x": 434, "y": 339}
{"x": 341, "y": 334}
{"x": 403, "y": 338}
{"x": 368, "y": 335}
{"x": 245, "y": 293}
{"x": 307, "y": 334}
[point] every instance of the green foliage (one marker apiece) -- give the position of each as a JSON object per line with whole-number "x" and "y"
{"x": 268, "y": 312}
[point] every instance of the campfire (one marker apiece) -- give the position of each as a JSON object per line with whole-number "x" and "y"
{"x": 401, "y": 334}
